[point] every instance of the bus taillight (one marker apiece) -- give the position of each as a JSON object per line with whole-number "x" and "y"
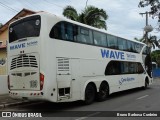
{"x": 8, "y": 83}
{"x": 41, "y": 81}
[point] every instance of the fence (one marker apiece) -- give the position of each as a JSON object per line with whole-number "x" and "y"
{"x": 156, "y": 72}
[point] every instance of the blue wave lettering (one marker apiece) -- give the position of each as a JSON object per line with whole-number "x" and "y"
{"x": 112, "y": 54}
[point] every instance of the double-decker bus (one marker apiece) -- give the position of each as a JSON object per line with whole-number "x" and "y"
{"x": 59, "y": 60}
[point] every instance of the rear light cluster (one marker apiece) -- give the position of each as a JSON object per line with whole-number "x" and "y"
{"x": 41, "y": 81}
{"x": 31, "y": 94}
{"x": 13, "y": 93}
{"x": 35, "y": 94}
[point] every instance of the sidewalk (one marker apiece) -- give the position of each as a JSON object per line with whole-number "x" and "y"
{"x": 6, "y": 101}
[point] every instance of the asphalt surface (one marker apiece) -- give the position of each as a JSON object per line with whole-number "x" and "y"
{"x": 7, "y": 101}
{"x": 136, "y": 101}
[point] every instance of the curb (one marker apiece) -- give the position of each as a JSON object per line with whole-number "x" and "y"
{"x": 13, "y": 104}
{"x": 19, "y": 103}
{"x": 1, "y": 106}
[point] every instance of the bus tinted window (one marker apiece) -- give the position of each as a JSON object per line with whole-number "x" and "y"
{"x": 99, "y": 39}
{"x": 84, "y": 35}
{"x": 112, "y": 41}
{"x": 71, "y": 32}
{"x": 56, "y": 31}
{"x": 131, "y": 46}
{"x": 122, "y": 67}
{"x": 27, "y": 27}
{"x": 122, "y": 44}
{"x": 63, "y": 30}
{"x": 113, "y": 68}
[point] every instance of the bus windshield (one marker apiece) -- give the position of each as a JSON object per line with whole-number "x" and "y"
{"x": 27, "y": 27}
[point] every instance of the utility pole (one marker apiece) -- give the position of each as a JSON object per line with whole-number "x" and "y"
{"x": 86, "y": 3}
{"x": 146, "y": 32}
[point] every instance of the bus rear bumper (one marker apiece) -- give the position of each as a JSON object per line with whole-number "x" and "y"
{"x": 27, "y": 95}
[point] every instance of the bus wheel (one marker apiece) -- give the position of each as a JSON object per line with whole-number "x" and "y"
{"x": 103, "y": 92}
{"x": 89, "y": 94}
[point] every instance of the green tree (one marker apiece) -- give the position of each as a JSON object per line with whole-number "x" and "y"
{"x": 154, "y": 8}
{"x": 91, "y": 15}
{"x": 155, "y": 55}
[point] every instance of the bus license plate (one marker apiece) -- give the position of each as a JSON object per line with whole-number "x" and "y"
{"x": 33, "y": 83}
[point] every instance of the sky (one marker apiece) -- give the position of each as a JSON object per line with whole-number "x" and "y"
{"x": 124, "y": 18}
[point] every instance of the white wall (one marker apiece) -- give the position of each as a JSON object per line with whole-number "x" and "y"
{"x": 3, "y": 84}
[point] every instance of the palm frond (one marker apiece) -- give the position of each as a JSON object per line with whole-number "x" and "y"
{"x": 91, "y": 15}
{"x": 71, "y": 13}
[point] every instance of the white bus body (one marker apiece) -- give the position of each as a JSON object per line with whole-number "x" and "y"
{"x": 46, "y": 68}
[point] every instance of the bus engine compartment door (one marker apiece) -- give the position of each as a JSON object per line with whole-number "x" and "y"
{"x": 63, "y": 77}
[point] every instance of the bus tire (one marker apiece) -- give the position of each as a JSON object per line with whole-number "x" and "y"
{"x": 89, "y": 94}
{"x": 103, "y": 92}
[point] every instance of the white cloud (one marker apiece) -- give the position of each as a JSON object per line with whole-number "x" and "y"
{"x": 134, "y": 15}
{"x": 124, "y": 19}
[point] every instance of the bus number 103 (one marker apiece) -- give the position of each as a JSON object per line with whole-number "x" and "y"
{"x": 33, "y": 83}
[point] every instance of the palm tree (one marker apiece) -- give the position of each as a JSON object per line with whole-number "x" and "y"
{"x": 139, "y": 39}
{"x": 154, "y": 42}
{"x": 91, "y": 15}
{"x": 71, "y": 13}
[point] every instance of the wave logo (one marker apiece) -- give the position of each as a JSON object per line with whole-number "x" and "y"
{"x": 112, "y": 54}
{"x": 18, "y": 46}
{"x": 23, "y": 45}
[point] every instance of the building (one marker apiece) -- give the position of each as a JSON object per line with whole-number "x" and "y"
{"x": 4, "y": 38}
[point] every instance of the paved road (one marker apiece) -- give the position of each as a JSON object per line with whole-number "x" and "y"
{"x": 132, "y": 100}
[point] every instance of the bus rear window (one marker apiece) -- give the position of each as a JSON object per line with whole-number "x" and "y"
{"x": 27, "y": 27}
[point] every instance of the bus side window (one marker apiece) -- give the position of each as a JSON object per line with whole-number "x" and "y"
{"x": 68, "y": 32}
{"x": 75, "y": 32}
{"x": 137, "y": 47}
{"x": 56, "y": 31}
{"x": 113, "y": 68}
{"x": 121, "y": 67}
{"x": 112, "y": 42}
{"x": 124, "y": 67}
{"x": 131, "y": 46}
{"x": 99, "y": 39}
{"x": 140, "y": 68}
{"x": 85, "y": 35}
{"x": 122, "y": 44}
{"x": 62, "y": 30}
{"x": 132, "y": 68}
